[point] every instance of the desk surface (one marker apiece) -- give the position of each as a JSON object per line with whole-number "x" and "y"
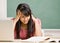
{"x": 35, "y": 40}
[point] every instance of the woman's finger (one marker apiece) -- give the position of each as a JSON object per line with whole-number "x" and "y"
{"x": 33, "y": 18}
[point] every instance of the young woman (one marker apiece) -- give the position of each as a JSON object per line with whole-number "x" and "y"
{"x": 25, "y": 24}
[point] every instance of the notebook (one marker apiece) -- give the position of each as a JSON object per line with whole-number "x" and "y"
{"x": 6, "y": 30}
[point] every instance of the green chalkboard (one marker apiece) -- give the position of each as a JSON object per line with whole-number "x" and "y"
{"x": 46, "y": 10}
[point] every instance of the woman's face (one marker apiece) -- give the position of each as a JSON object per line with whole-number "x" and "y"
{"x": 24, "y": 19}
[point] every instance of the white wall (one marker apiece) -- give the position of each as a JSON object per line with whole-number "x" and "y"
{"x": 3, "y": 9}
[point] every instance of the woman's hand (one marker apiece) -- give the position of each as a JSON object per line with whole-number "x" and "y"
{"x": 36, "y": 20}
{"x": 17, "y": 16}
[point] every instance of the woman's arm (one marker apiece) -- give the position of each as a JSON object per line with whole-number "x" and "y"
{"x": 38, "y": 31}
{"x": 14, "y": 22}
{"x": 16, "y": 19}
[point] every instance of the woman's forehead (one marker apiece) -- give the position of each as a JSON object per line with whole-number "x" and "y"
{"x": 23, "y": 15}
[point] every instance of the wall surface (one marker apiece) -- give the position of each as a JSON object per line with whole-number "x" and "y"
{"x": 46, "y": 10}
{"x": 3, "y": 9}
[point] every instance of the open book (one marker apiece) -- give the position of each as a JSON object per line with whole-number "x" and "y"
{"x": 35, "y": 39}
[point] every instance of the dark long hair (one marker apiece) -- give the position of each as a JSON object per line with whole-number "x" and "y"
{"x": 25, "y": 9}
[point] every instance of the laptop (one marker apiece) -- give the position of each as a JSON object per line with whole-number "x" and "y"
{"x": 6, "y": 30}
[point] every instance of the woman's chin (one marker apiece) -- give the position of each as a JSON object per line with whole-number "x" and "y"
{"x": 26, "y": 23}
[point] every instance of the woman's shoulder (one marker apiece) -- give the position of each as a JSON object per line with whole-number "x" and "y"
{"x": 13, "y": 19}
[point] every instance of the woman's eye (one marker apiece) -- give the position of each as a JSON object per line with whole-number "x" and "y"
{"x": 22, "y": 16}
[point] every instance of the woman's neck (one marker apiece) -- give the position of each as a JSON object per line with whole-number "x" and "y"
{"x": 24, "y": 26}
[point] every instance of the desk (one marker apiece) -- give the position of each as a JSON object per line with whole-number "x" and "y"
{"x": 26, "y": 42}
{"x": 35, "y": 41}
{"x": 30, "y": 40}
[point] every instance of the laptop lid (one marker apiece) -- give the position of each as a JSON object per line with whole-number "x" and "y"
{"x": 6, "y": 30}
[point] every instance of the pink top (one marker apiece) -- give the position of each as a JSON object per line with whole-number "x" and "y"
{"x": 22, "y": 34}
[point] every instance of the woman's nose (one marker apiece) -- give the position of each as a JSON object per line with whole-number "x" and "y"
{"x": 25, "y": 19}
